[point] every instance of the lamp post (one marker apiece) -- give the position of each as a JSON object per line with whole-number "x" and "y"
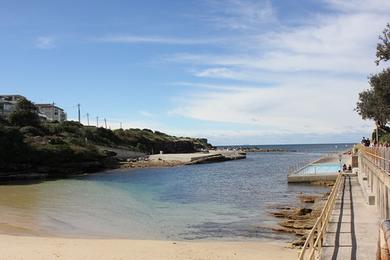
{"x": 340, "y": 156}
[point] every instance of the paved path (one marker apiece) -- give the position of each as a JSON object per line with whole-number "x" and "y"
{"x": 353, "y": 226}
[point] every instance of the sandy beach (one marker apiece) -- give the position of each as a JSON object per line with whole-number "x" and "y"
{"x": 42, "y": 248}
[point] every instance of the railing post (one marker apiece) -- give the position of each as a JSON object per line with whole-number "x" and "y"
{"x": 314, "y": 242}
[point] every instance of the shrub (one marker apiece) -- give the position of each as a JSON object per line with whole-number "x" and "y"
{"x": 25, "y": 114}
{"x": 12, "y": 146}
{"x": 3, "y": 121}
{"x": 31, "y": 131}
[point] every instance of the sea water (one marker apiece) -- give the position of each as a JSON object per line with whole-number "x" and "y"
{"x": 227, "y": 201}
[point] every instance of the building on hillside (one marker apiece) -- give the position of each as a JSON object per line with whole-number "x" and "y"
{"x": 51, "y": 112}
{"x": 8, "y": 103}
{"x": 11, "y": 98}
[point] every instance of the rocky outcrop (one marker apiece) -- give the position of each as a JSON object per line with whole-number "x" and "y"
{"x": 56, "y": 150}
{"x": 175, "y": 146}
{"x": 30, "y": 171}
{"x": 300, "y": 220}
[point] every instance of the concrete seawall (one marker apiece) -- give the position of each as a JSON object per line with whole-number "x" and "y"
{"x": 311, "y": 178}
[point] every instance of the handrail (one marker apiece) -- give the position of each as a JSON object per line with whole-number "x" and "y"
{"x": 376, "y": 155}
{"x": 314, "y": 240}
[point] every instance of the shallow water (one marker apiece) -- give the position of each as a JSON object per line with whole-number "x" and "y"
{"x": 227, "y": 201}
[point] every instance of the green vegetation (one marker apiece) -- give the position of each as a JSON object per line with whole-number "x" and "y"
{"x": 59, "y": 149}
{"x": 374, "y": 103}
{"x": 383, "y": 47}
{"x": 25, "y": 114}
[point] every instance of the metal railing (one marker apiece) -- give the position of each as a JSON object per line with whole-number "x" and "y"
{"x": 301, "y": 165}
{"x": 313, "y": 244}
{"x": 298, "y": 166}
{"x": 379, "y": 156}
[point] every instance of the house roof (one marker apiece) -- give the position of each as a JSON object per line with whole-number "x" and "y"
{"x": 48, "y": 106}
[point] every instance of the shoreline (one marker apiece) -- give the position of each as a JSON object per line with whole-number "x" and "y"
{"x": 34, "y": 248}
{"x": 138, "y": 162}
{"x": 46, "y": 246}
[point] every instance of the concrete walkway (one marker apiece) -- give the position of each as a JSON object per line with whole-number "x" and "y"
{"x": 353, "y": 227}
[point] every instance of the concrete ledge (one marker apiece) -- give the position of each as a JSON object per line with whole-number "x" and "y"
{"x": 310, "y": 178}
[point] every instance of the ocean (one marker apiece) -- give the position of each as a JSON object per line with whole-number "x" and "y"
{"x": 220, "y": 201}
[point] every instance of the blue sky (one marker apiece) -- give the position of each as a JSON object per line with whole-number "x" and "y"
{"x": 234, "y": 71}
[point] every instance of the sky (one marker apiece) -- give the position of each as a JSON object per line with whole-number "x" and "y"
{"x": 233, "y": 71}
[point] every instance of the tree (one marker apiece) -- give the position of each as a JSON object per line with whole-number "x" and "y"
{"x": 381, "y": 85}
{"x": 383, "y": 47}
{"x": 370, "y": 106}
{"x": 374, "y": 103}
{"x": 24, "y": 114}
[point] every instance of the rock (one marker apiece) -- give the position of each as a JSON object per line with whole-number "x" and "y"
{"x": 299, "y": 242}
{"x": 304, "y": 211}
{"x": 299, "y": 220}
{"x": 308, "y": 198}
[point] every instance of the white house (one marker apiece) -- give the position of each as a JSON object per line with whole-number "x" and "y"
{"x": 7, "y": 104}
{"x": 52, "y": 112}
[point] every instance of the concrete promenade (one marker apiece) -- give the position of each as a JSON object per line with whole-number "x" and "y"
{"x": 353, "y": 226}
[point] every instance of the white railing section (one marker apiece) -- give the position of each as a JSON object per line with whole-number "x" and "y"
{"x": 299, "y": 167}
{"x": 313, "y": 244}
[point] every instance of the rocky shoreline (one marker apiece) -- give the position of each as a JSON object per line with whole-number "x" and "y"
{"x": 300, "y": 220}
{"x": 258, "y": 149}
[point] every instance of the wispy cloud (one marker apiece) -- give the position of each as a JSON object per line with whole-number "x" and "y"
{"x": 131, "y": 39}
{"x": 237, "y": 87}
{"x": 292, "y": 107}
{"x": 377, "y": 6}
{"x": 315, "y": 71}
{"x": 240, "y": 14}
{"x": 45, "y": 42}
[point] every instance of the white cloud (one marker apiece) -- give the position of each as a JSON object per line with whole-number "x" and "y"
{"x": 376, "y": 6}
{"x": 228, "y": 73}
{"x": 45, "y": 42}
{"x": 132, "y": 39}
{"x": 215, "y": 86}
{"x": 240, "y": 14}
{"x": 314, "y": 73}
{"x": 299, "y": 107}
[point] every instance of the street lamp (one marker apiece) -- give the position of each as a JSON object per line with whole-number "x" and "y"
{"x": 340, "y": 156}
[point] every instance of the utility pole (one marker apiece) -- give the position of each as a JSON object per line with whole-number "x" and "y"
{"x": 88, "y": 119}
{"x": 105, "y": 123}
{"x": 97, "y": 121}
{"x": 121, "y": 125}
{"x": 52, "y": 112}
{"x": 78, "y": 107}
